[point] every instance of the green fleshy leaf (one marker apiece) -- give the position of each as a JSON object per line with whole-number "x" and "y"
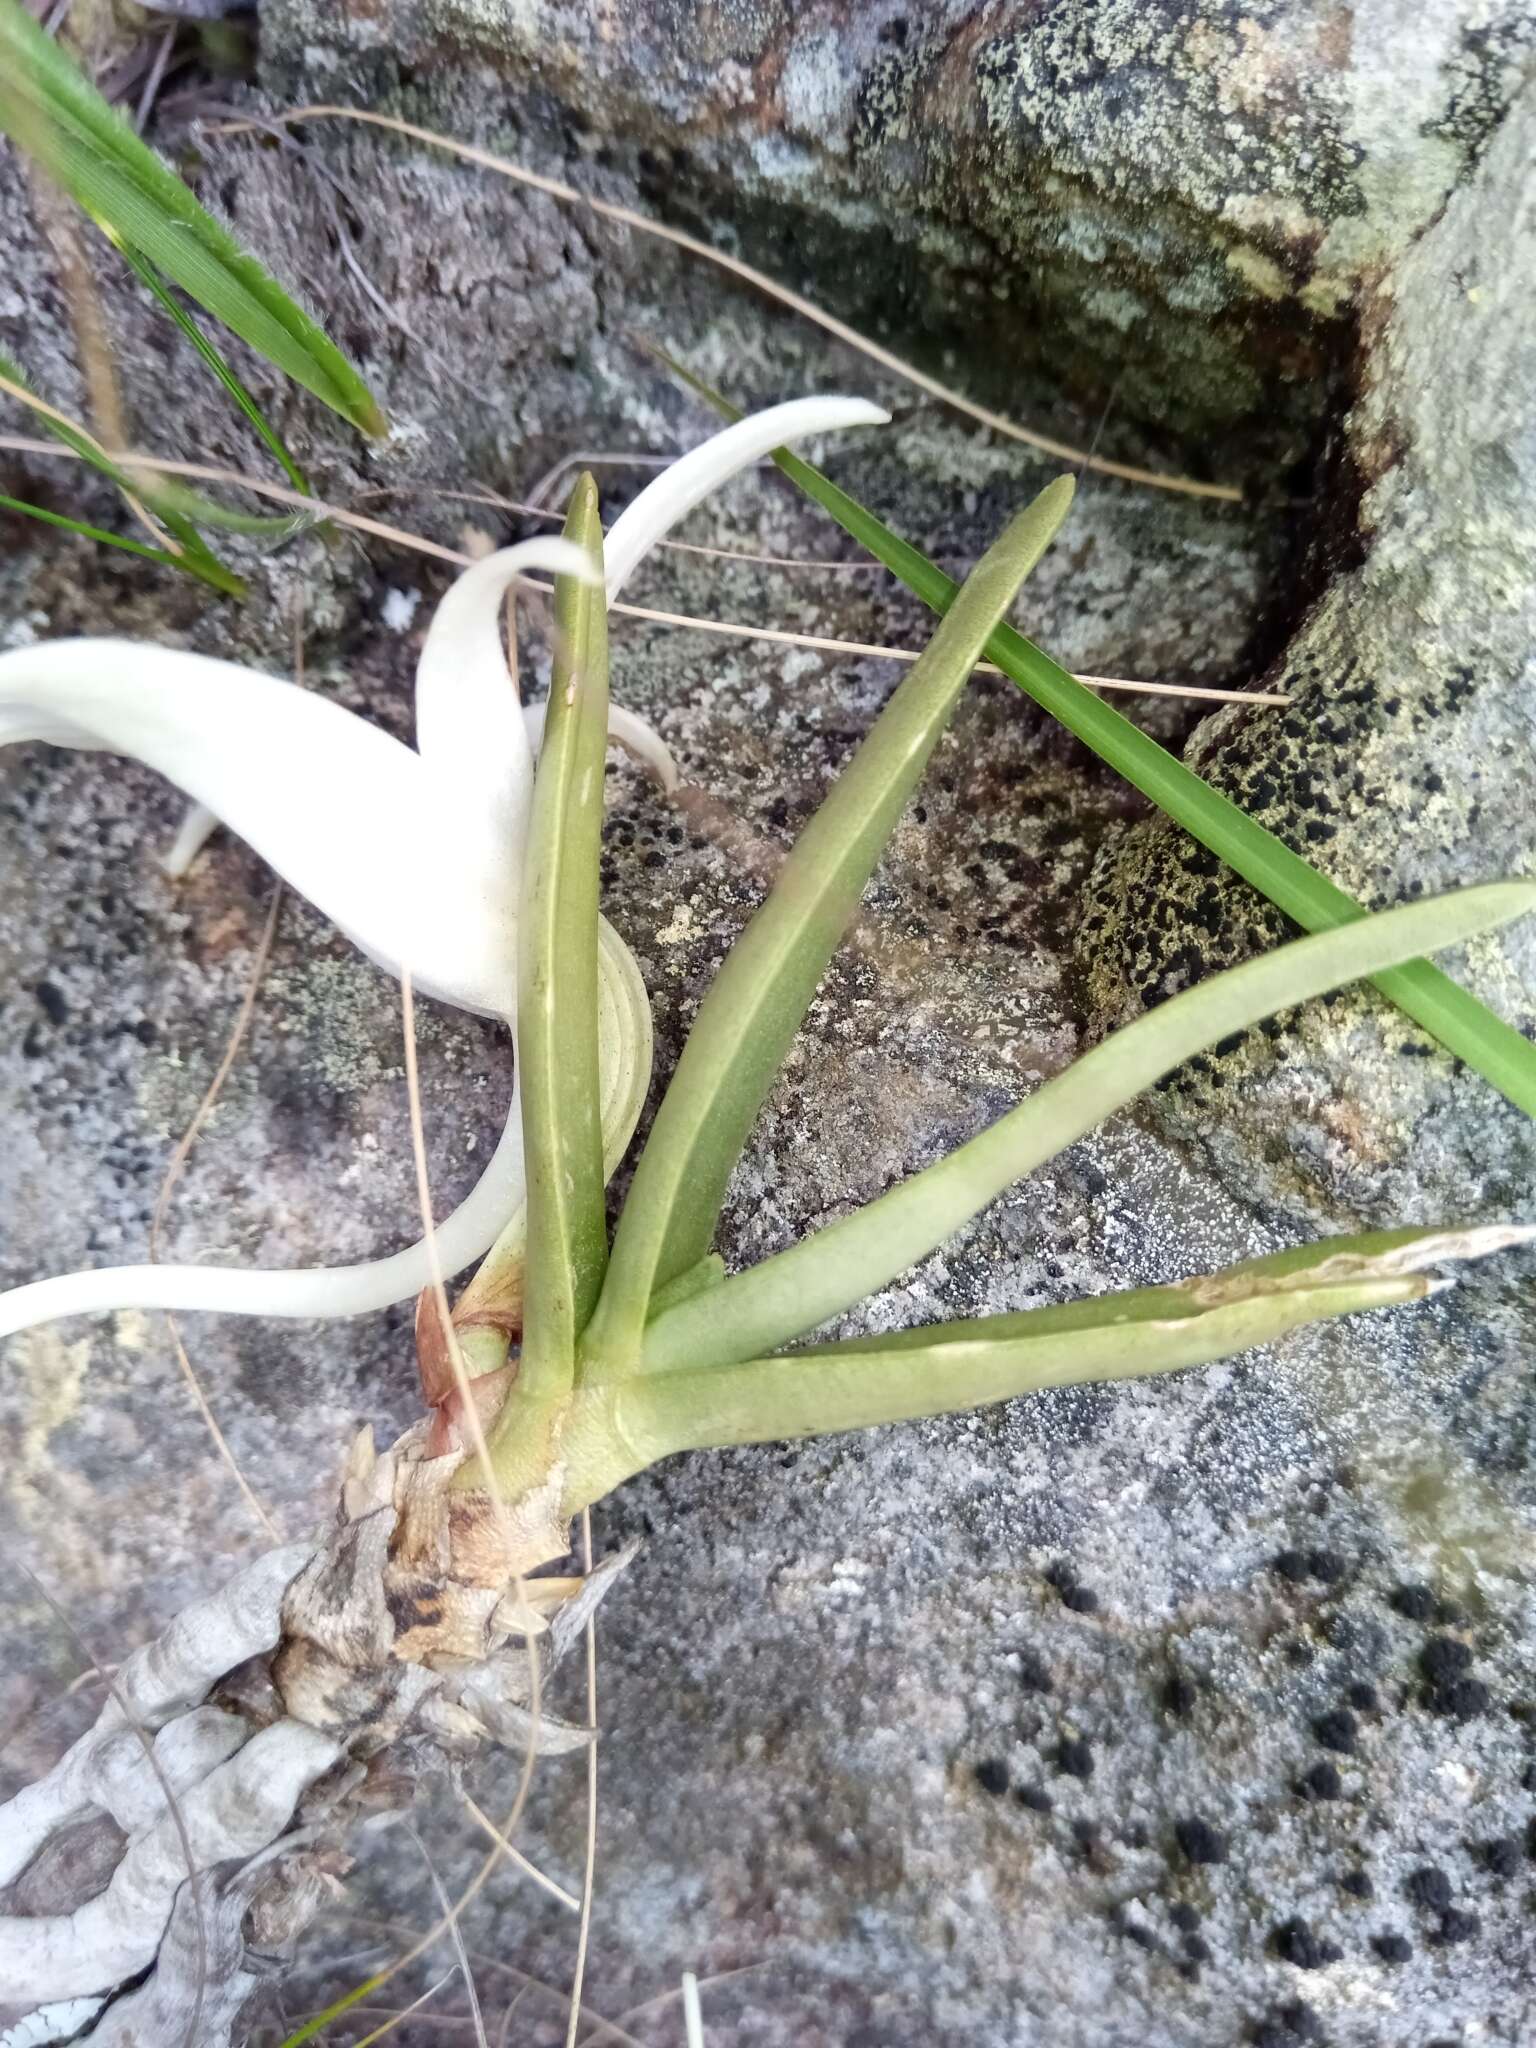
{"x": 760, "y": 995}
{"x": 825, "y": 1273}
{"x": 557, "y": 1039}
{"x": 1450, "y": 1013}
{"x": 825, "y": 1388}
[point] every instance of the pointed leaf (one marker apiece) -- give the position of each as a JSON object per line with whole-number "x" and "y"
{"x": 221, "y": 367}
{"x": 558, "y": 979}
{"x": 824, "y": 1388}
{"x": 1441, "y": 1006}
{"x": 827, "y": 1272}
{"x": 759, "y": 997}
{"x": 55, "y": 114}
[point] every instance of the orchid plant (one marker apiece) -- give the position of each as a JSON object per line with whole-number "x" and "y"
{"x": 574, "y": 1359}
{"x": 453, "y": 864}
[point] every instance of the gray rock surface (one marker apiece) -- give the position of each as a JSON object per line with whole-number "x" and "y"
{"x": 1015, "y": 1729}
{"x": 1187, "y": 201}
{"x": 1403, "y": 761}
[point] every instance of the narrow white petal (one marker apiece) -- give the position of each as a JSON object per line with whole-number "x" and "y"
{"x": 468, "y": 727}
{"x": 348, "y": 815}
{"x": 693, "y": 476}
{"x": 197, "y": 828}
{"x": 631, "y": 732}
{"x": 624, "y": 1043}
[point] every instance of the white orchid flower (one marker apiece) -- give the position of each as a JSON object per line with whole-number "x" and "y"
{"x": 416, "y": 854}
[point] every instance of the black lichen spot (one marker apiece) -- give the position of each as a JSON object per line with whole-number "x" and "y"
{"x": 1358, "y": 1884}
{"x": 1326, "y": 1566}
{"x": 1499, "y": 1857}
{"x": 1184, "y": 1916}
{"x": 1294, "y": 1942}
{"x": 1413, "y": 1603}
{"x": 1337, "y": 1730}
{"x": 1080, "y": 1600}
{"x": 1455, "y": 1926}
{"x": 1179, "y": 1694}
{"x": 1300, "y": 2021}
{"x": 1033, "y": 1676}
{"x": 1035, "y": 1797}
{"x": 1462, "y": 1700}
{"x": 1444, "y": 1663}
{"x": 1392, "y": 1948}
{"x": 1363, "y": 1697}
{"x": 1291, "y": 1565}
{"x": 1444, "y": 1658}
{"x": 1429, "y": 1888}
{"x": 1075, "y": 1757}
{"x": 1200, "y": 1842}
{"x": 992, "y": 1776}
{"x": 1321, "y": 1782}
{"x": 1197, "y": 1948}
{"x": 51, "y": 1000}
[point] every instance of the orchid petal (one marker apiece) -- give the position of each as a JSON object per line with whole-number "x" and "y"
{"x": 348, "y": 815}
{"x": 632, "y": 733}
{"x": 682, "y": 484}
{"x": 624, "y": 1027}
{"x": 194, "y": 833}
{"x": 468, "y": 727}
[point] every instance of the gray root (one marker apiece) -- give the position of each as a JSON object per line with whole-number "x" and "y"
{"x": 307, "y": 1695}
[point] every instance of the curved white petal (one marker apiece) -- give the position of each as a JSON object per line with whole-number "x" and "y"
{"x": 197, "y": 828}
{"x": 682, "y": 484}
{"x": 469, "y": 729}
{"x": 348, "y": 815}
{"x": 631, "y": 732}
{"x": 624, "y": 1028}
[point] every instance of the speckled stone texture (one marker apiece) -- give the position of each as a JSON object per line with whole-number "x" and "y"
{"x": 1172, "y": 1716}
{"x": 1403, "y": 762}
{"x": 1187, "y": 198}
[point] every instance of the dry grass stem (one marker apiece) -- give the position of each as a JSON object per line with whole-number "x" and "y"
{"x": 213, "y": 473}
{"x": 517, "y": 1859}
{"x": 173, "y": 1174}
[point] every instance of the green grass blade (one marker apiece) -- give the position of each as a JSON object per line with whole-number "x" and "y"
{"x": 345, "y": 2003}
{"x": 893, "y": 1378}
{"x": 757, "y": 1000}
{"x": 1450, "y": 1013}
{"x": 195, "y": 558}
{"x": 96, "y": 533}
{"x": 557, "y": 1033}
{"x": 826, "y": 1273}
{"x": 150, "y": 277}
{"x": 51, "y": 110}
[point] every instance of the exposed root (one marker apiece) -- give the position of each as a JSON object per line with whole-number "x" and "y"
{"x": 312, "y": 1692}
